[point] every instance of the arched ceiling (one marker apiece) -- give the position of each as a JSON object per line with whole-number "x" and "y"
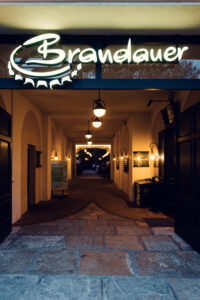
{"x": 71, "y": 109}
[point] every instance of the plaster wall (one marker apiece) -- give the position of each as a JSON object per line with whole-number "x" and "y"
{"x": 157, "y": 125}
{"x": 30, "y": 136}
{"x": 136, "y": 135}
{"x": 191, "y": 99}
{"x": 6, "y": 100}
{"x": 141, "y": 139}
{"x": 20, "y": 109}
{"x": 47, "y": 149}
{"x": 122, "y": 147}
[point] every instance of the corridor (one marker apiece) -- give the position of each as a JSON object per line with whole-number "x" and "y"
{"x": 97, "y": 255}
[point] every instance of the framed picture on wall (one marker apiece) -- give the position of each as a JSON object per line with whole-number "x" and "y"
{"x": 140, "y": 159}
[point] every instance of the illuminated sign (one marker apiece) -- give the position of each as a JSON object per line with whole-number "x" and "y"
{"x": 53, "y": 66}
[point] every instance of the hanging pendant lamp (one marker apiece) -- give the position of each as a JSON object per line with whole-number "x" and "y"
{"x": 96, "y": 122}
{"x": 99, "y": 107}
{"x": 88, "y": 134}
{"x": 89, "y": 142}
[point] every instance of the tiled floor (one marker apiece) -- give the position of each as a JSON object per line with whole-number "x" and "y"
{"x": 94, "y": 255}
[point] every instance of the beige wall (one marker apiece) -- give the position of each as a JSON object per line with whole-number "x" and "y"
{"x": 30, "y": 136}
{"x": 122, "y": 147}
{"x": 20, "y": 109}
{"x": 30, "y": 126}
{"x": 136, "y": 135}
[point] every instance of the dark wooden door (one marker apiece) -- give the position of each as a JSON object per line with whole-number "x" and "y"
{"x": 187, "y": 222}
{"x": 31, "y": 175}
{"x": 167, "y": 170}
{"x": 5, "y": 175}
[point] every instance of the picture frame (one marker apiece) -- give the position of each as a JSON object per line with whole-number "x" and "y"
{"x": 141, "y": 159}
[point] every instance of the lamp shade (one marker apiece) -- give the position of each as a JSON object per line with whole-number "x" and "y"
{"x": 89, "y": 142}
{"x": 96, "y": 122}
{"x": 88, "y": 134}
{"x": 99, "y": 108}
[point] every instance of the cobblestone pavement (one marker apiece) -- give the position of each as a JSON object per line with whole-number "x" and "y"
{"x": 94, "y": 255}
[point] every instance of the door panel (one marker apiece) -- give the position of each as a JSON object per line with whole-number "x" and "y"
{"x": 185, "y": 168}
{"x": 187, "y": 221}
{"x": 197, "y": 171}
{"x": 167, "y": 171}
{"x": 5, "y": 189}
{"x": 31, "y": 175}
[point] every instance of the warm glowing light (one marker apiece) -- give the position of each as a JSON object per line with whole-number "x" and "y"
{"x": 46, "y": 47}
{"x": 93, "y": 146}
{"x": 96, "y": 123}
{"x": 55, "y": 157}
{"x": 86, "y": 158}
{"x": 88, "y": 153}
{"x": 99, "y": 112}
{"x": 152, "y": 156}
{"x": 162, "y": 157}
{"x": 88, "y": 135}
{"x": 89, "y": 142}
{"x": 121, "y": 157}
{"x": 139, "y": 158}
{"x": 114, "y": 158}
{"x": 100, "y": 158}
{"x": 106, "y": 154}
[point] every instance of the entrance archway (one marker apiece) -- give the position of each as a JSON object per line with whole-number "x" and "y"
{"x": 93, "y": 161}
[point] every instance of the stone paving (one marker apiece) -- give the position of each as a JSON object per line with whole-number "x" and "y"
{"x": 93, "y": 255}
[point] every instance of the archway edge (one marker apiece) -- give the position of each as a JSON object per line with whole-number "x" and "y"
{"x": 79, "y": 147}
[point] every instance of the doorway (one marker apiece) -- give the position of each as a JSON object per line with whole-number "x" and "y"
{"x": 167, "y": 171}
{"x": 31, "y": 175}
{"x": 187, "y": 223}
{"x": 93, "y": 162}
{"x": 5, "y": 175}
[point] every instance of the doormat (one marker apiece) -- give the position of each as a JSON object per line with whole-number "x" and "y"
{"x": 159, "y": 222}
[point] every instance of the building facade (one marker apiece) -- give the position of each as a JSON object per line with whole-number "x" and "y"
{"x": 144, "y": 58}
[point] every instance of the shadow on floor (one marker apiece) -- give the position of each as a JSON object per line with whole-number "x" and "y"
{"x": 83, "y": 191}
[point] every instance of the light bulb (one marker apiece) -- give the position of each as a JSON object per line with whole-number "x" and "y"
{"x": 99, "y": 108}
{"x": 88, "y": 135}
{"x": 56, "y": 156}
{"x": 96, "y": 123}
{"x": 99, "y": 112}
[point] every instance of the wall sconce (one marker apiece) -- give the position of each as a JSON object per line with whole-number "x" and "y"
{"x": 114, "y": 157}
{"x": 152, "y": 155}
{"x": 56, "y": 155}
{"x": 68, "y": 157}
{"x": 162, "y": 157}
{"x": 123, "y": 153}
